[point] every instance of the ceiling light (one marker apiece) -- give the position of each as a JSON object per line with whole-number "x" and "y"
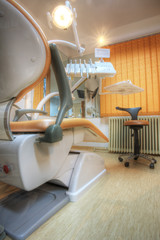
{"x": 101, "y": 40}
{"x": 62, "y": 17}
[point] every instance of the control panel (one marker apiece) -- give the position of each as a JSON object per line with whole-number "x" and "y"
{"x": 5, "y": 169}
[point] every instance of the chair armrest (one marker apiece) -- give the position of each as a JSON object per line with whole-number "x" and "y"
{"x": 20, "y": 112}
{"x": 54, "y": 132}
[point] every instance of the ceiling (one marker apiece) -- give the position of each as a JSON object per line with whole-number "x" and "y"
{"x": 116, "y": 20}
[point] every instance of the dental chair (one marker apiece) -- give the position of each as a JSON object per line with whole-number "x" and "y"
{"x": 36, "y": 156}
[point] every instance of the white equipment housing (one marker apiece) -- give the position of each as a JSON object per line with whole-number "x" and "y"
{"x": 31, "y": 163}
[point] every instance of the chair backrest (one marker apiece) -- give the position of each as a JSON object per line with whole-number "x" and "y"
{"x": 24, "y": 57}
{"x": 24, "y": 54}
{"x": 132, "y": 111}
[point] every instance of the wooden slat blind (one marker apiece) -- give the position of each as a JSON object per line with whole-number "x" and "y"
{"x": 139, "y": 61}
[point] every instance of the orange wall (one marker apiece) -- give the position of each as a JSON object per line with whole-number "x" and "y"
{"x": 139, "y": 61}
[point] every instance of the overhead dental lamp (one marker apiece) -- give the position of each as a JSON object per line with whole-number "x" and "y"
{"x": 63, "y": 16}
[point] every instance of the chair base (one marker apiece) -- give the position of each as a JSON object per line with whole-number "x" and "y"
{"x": 151, "y": 160}
{"x": 21, "y": 213}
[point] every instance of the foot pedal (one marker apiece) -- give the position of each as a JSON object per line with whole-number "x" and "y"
{"x": 21, "y": 213}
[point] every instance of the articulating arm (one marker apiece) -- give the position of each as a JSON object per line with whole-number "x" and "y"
{"x": 54, "y": 132}
{"x": 132, "y": 111}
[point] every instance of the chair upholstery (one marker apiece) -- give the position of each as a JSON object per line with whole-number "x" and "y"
{"x": 135, "y": 123}
{"x": 20, "y": 34}
{"x": 24, "y": 59}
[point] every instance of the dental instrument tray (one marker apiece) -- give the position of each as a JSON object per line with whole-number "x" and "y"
{"x": 100, "y": 69}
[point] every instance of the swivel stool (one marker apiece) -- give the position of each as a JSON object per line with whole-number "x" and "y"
{"x": 136, "y": 125}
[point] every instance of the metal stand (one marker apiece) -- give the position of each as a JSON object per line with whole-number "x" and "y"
{"x": 136, "y": 153}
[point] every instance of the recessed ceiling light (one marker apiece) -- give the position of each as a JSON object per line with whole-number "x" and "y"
{"x": 101, "y": 40}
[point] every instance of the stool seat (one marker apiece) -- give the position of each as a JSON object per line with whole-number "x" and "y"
{"x": 136, "y": 123}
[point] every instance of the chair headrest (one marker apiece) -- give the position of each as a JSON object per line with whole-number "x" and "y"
{"x": 24, "y": 54}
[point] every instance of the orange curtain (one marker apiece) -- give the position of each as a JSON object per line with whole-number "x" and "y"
{"x": 139, "y": 61}
{"x": 38, "y": 93}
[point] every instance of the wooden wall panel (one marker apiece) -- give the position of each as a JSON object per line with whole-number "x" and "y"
{"x": 142, "y": 74}
{"x": 130, "y": 71}
{"x": 118, "y": 74}
{"x": 139, "y": 61}
{"x": 157, "y": 40}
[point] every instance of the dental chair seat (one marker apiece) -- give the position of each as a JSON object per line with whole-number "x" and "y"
{"x": 41, "y": 125}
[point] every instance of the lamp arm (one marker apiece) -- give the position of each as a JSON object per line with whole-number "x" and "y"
{"x": 67, "y": 44}
{"x": 76, "y": 46}
{"x": 74, "y": 28}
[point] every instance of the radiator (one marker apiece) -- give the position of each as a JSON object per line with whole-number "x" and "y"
{"x": 122, "y": 142}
